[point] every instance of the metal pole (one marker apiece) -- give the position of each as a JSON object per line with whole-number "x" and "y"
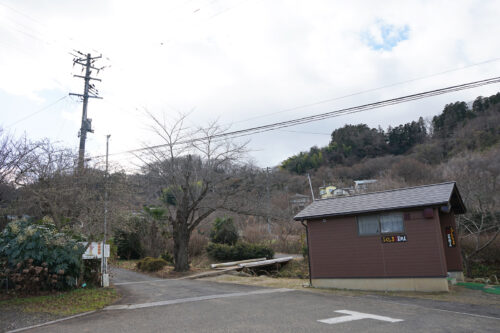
{"x": 104, "y": 261}
{"x": 268, "y": 208}
{"x": 310, "y": 185}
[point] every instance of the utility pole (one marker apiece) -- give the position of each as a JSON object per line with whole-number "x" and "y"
{"x": 89, "y": 91}
{"x": 105, "y": 276}
{"x": 311, "y": 186}
{"x": 268, "y": 208}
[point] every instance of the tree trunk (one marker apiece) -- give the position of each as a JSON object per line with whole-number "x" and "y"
{"x": 466, "y": 261}
{"x": 181, "y": 245}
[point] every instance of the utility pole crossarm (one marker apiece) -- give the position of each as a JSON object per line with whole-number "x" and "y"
{"x": 89, "y": 96}
{"x": 90, "y": 78}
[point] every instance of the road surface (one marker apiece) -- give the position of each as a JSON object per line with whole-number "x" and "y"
{"x": 153, "y": 305}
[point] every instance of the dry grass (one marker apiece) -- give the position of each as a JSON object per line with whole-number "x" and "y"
{"x": 64, "y": 303}
{"x": 457, "y": 294}
{"x": 198, "y": 264}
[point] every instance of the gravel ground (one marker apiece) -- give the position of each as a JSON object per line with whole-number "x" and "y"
{"x": 12, "y": 318}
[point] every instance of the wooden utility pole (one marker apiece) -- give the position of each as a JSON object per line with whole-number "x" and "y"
{"x": 89, "y": 91}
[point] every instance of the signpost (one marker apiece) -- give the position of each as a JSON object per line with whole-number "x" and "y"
{"x": 95, "y": 250}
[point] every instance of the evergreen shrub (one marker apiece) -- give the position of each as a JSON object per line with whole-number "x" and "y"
{"x": 38, "y": 257}
{"x": 224, "y": 231}
{"x": 150, "y": 264}
{"x": 239, "y": 251}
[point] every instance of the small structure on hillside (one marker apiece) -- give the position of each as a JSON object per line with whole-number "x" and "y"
{"x": 299, "y": 202}
{"x": 362, "y": 186}
{"x": 327, "y": 191}
{"x": 401, "y": 239}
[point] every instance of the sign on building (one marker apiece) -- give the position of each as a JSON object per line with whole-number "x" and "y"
{"x": 450, "y": 237}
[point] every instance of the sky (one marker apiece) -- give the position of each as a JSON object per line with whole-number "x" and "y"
{"x": 242, "y": 63}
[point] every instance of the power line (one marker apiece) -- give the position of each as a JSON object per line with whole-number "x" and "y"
{"x": 64, "y": 45}
{"x": 369, "y": 90}
{"x": 326, "y": 115}
{"x": 37, "y": 112}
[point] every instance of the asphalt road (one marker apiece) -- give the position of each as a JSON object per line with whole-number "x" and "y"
{"x": 151, "y": 305}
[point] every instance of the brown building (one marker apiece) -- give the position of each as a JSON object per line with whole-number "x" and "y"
{"x": 401, "y": 239}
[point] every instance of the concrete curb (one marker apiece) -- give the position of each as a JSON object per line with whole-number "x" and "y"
{"x": 51, "y": 322}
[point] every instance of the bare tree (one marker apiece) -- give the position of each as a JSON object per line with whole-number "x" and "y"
{"x": 197, "y": 173}
{"x": 14, "y": 157}
{"x": 479, "y": 182}
{"x": 49, "y": 187}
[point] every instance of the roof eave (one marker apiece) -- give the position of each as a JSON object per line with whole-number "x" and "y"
{"x": 302, "y": 218}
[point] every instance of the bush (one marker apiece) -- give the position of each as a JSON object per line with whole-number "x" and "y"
{"x": 128, "y": 245}
{"x": 224, "y": 231}
{"x": 168, "y": 257}
{"x": 240, "y": 251}
{"x": 296, "y": 268}
{"x": 92, "y": 272}
{"x": 38, "y": 257}
{"x": 150, "y": 264}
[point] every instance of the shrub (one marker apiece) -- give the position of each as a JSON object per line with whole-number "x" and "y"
{"x": 92, "y": 272}
{"x": 29, "y": 279}
{"x": 240, "y": 251}
{"x": 167, "y": 257}
{"x": 224, "y": 231}
{"x": 128, "y": 245}
{"x": 296, "y": 268}
{"x": 38, "y": 257}
{"x": 150, "y": 264}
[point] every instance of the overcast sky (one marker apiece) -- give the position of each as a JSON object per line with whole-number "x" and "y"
{"x": 243, "y": 62}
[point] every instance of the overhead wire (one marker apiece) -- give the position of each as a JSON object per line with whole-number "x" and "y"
{"x": 368, "y": 90}
{"x": 37, "y": 112}
{"x": 322, "y": 116}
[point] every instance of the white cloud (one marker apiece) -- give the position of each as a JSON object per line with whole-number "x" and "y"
{"x": 241, "y": 59}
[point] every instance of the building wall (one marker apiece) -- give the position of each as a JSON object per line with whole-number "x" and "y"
{"x": 337, "y": 251}
{"x": 452, "y": 254}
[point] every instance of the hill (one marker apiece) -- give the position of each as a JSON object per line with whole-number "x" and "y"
{"x": 458, "y": 129}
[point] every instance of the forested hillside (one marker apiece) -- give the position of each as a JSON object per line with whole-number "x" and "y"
{"x": 459, "y": 128}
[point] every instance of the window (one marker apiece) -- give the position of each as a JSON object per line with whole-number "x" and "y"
{"x": 368, "y": 225}
{"x": 389, "y": 223}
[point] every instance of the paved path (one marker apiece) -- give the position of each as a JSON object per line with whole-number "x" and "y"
{"x": 150, "y": 305}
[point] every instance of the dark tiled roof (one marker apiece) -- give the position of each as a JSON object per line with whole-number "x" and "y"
{"x": 418, "y": 196}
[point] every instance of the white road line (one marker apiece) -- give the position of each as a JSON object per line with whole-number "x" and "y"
{"x": 139, "y": 282}
{"x": 194, "y": 299}
{"x": 50, "y": 322}
{"x": 435, "y": 309}
{"x": 353, "y": 315}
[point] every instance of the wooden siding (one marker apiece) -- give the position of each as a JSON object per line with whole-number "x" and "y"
{"x": 452, "y": 254}
{"x": 337, "y": 251}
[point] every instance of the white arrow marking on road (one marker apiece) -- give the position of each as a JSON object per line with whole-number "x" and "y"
{"x": 353, "y": 315}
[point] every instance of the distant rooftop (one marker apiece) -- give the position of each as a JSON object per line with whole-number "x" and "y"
{"x": 418, "y": 196}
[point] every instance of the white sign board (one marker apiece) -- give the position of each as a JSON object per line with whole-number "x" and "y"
{"x": 94, "y": 251}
